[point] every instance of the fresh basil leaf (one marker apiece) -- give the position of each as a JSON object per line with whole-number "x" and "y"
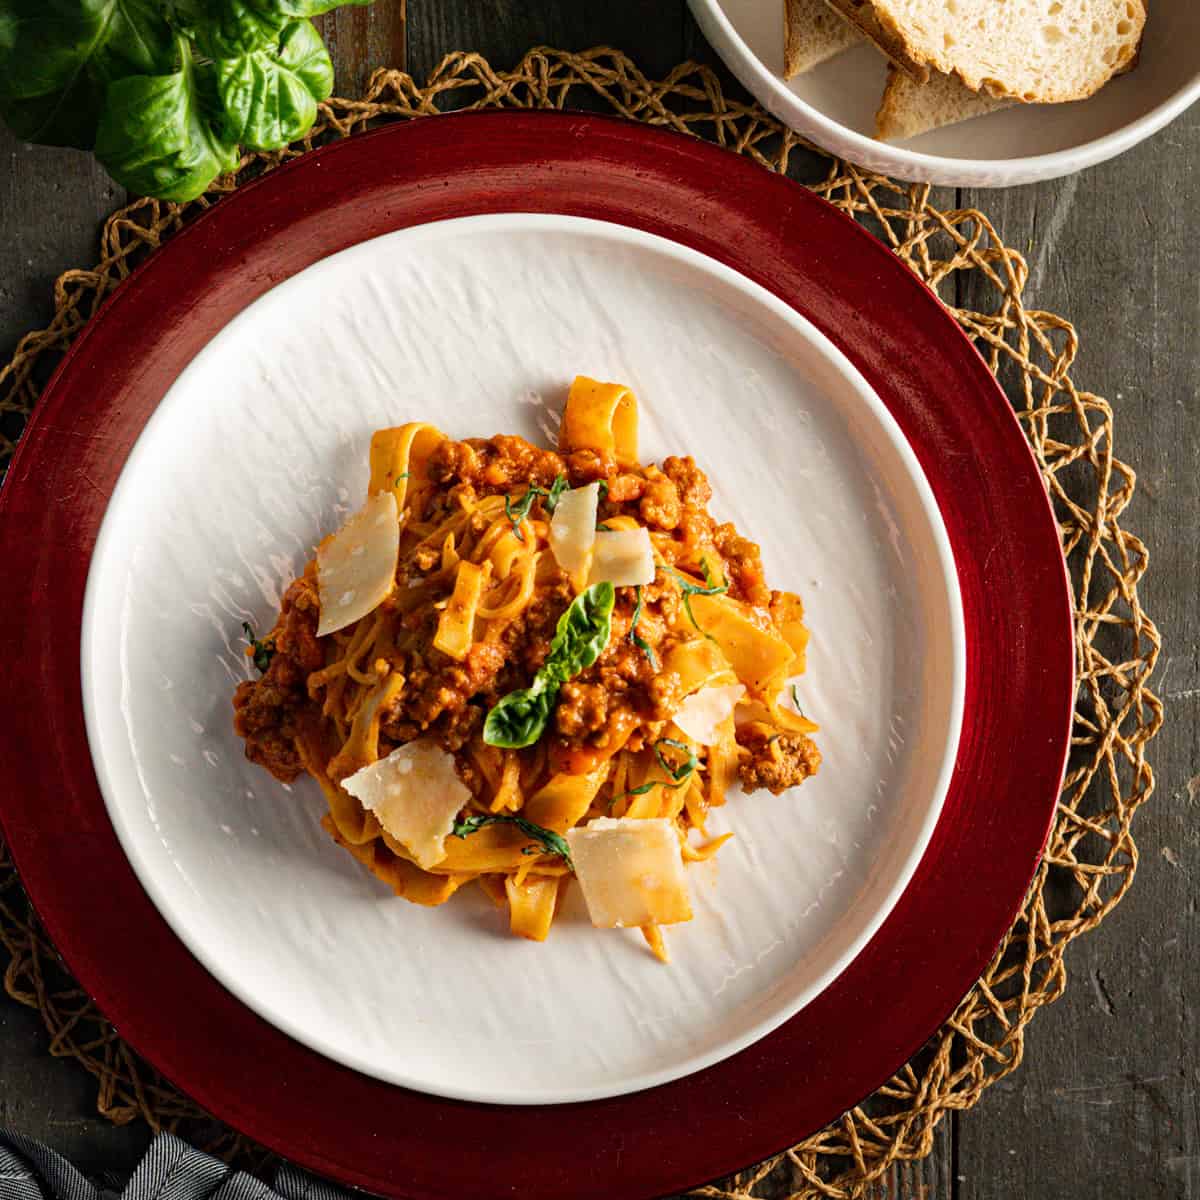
{"x": 301, "y": 9}
{"x": 230, "y": 28}
{"x": 548, "y": 841}
{"x": 153, "y": 138}
{"x": 520, "y": 718}
{"x": 233, "y": 28}
{"x": 122, "y": 77}
{"x": 61, "y": 118}
{"x": 140, "y": 41}
{"x": 269, "y": 98}
{"x": 582, "y": 633}
{"x": 57, "y": 55}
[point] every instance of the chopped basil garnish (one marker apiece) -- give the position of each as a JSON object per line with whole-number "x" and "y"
{"x": 548, "y": 841}
{"x": 635, "y": 637}
{"x": 679, "y": 774}
{"x": 690, "y": 589}
{"x": 516, "y": 513}
{"x": 261, "y": 652}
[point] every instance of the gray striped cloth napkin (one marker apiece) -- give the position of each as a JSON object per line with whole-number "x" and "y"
{"x": 170, "y": 1170}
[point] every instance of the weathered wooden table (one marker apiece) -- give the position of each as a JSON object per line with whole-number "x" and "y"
{"x": 1107, "y": 1103}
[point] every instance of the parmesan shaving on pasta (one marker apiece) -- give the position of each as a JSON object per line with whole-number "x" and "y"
{"x": 631, "y": 872}
{"x": 702, "y": 714}
{"x": 622, "y": 557}
{"x": 415, "y": 794}
{"x": 573, "y": 529}
{"x": 356, "y": 567}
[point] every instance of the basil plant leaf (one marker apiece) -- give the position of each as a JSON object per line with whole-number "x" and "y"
{"x": 139, "y": 41}
{"x": 302, "y": 9}
{"x": 57, "y": 55}
{"x": 269, "y": 98}
{"x": 520, "y": 718}
{"x": 153, "y": 138}
{"x": 233, "y": 28}
{"x": 229, "y": 28}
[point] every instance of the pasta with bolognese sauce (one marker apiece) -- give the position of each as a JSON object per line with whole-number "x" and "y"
{"x": 516, "y": 666}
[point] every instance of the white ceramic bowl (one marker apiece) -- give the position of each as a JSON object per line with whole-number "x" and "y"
{"x": 834, "y": 105}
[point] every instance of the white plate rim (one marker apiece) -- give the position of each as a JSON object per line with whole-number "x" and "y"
{"x": 898, "y": 444}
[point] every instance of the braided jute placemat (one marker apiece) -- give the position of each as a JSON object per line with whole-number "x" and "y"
{"x": 1091, "y": 857}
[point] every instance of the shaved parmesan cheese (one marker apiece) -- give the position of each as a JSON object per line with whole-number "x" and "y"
{"x": 622, "y": 557}
{"x": 573, "y": 528}
{"x": 631, "y": 872}
{"x": 704, "y": 712}
{"x": 356, "y": 567}
{"x": 415, "y": 794}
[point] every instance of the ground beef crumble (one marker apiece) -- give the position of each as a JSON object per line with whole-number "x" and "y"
{"x": 775, "y": 761}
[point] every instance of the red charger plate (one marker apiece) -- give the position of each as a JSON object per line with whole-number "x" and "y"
{"x": 1016, "y": 603}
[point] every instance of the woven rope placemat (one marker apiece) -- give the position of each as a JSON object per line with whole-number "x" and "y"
{"x": 1091, "y": 857}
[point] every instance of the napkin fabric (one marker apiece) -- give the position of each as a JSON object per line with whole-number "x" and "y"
{"x": 170, "y": 1170}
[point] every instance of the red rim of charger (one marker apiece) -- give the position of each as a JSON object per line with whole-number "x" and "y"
{"x": 1016, "y": 604}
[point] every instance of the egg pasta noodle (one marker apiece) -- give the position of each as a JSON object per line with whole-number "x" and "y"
{"x": 518, "y": 666}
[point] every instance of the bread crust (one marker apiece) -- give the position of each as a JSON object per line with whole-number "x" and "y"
{"x": 875, "y": 18}
{"x": 897, "y": 117}
{"x": 878, "y": 26}
{"x": 813, "y": 33}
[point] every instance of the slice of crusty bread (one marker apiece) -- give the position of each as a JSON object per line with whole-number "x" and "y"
{"x": 909, "y": 108}
{"x": 812, "y": 33}
{"x": 1038, "y": 51}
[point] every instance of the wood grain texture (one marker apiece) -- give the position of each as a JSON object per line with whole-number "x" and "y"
{"x": 1105, "y": 1104}
{"x": 361, "y": 40}
{"x": 52, "y": 202}
{"x": 55, "y": 1101}
{"x": 502, "y": 30}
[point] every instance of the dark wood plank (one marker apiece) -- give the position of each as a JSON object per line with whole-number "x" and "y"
{"x": 1105, "y": 1104}
{"x": 52, "y": 203}
{"x": 928, "y": 1178}
{"x": 503, "y": 30}
{"x": 360, "y": 40}
{"x": 55, "y": 1101}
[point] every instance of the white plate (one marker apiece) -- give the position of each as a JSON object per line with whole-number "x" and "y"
{"x": 260, "y": 448}
{"x": 834, "y": 105}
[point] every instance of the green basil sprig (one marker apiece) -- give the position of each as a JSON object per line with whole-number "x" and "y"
{"x": 520, "y": 718}
{"x": 548, "y": 841}
{"x": 680, "y": 773}
{"x": 690, "y": 589}
{"x": 164, "y": 91}
{"x": 516, "y": 513}
{"x": 262, "y": 652}
{"x": 635, "y": 637}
